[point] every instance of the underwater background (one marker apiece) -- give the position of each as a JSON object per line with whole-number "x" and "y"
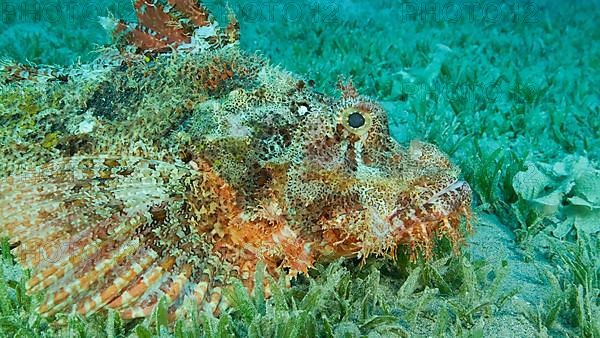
{"x": 509, "y": 89}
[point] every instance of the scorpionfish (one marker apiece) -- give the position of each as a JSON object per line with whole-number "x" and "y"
{"x": 176, "y": 163}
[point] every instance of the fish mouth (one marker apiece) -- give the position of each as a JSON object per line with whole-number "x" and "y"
{"x": 418, "y": 223}
{"x": 456, "y": 186}
{"x": 415, "y": 223}
{"x": 451, "y": 200}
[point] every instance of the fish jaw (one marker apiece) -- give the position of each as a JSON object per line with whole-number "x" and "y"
{"x": 412, "y": 224}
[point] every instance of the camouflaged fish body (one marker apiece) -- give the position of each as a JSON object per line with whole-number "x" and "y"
{"x": 171, "y": 166}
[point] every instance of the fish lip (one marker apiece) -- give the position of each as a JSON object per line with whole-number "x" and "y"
{"x": 453, "y": 187}
{"x": 460, "y": 188}
{"x": 448, "y": 201}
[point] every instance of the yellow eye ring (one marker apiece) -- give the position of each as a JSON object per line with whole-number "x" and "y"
{"x": 356, "y": 121}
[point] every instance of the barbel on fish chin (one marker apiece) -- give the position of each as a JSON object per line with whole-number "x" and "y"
{"x": 176, "y": 162}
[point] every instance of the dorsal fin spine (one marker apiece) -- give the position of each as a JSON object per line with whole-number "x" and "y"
{"x": 167, "y": 24}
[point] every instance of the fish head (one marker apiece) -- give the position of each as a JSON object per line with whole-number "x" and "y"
{"x": 362, "y": 191}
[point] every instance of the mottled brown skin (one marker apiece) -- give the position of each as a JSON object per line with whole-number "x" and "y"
{"x": 179, "y": 163}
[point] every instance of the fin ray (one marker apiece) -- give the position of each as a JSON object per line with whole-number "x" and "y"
{"x": 164, "y": 25}
{"x": 75, "y": 222}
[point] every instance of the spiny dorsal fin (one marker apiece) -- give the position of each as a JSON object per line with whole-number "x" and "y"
{"x": 170, "y": 24}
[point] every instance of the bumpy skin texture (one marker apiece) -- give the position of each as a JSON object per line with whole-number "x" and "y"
{"x": 177, "y": 163}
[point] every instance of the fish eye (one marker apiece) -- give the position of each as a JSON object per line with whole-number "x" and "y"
{"x": 355, "y": 120}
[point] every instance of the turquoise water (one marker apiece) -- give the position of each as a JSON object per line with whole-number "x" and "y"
{"x": 508, "y": 89}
